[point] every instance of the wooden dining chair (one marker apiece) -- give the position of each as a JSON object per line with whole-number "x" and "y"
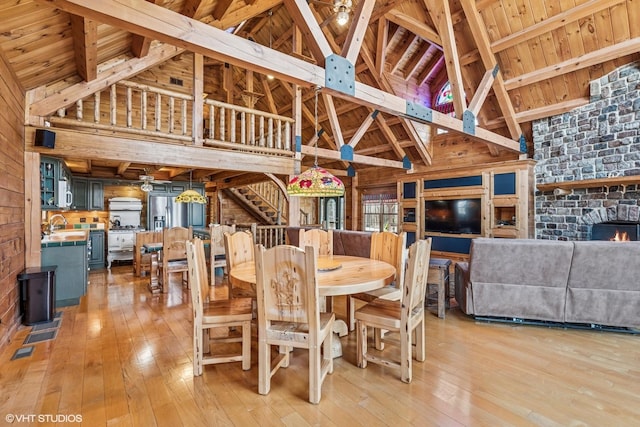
{"x": 289, "y": 315}
{"x": 321, "y": 240}
{"x": 174, "y": 254}
{"x": 405, "y": 317}
{"x": 238, "y": 249}
{"x": 388, "y": 247}
{"x": 208, "y": 315}
{"x": 218, "y": 257}
{"x": 141, "y": 258}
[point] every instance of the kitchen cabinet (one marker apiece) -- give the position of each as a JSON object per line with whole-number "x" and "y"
{"x": 52, "y": 172}
{"x": 71, "y": 274}
{"x": 88, "y": 194}
{"x": 96, "y": 260}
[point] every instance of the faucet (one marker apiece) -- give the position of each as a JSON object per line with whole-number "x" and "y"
{"x": 52, "y": 225}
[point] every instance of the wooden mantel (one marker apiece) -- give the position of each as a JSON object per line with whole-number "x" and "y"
{"x": 590, "y": 183}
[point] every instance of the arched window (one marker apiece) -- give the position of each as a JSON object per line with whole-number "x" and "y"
{"x": 444, "y": 103}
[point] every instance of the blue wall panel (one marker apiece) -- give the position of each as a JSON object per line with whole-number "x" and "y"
{"x": 504, "y": 184}
{"x": 465, "y": 181}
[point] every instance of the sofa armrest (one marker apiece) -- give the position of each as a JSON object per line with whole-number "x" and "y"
{"x": 463, "y": 288}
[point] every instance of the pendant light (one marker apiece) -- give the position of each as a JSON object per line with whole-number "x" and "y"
{"x": 315, "y": 181}
{"x": 191, "y": 196}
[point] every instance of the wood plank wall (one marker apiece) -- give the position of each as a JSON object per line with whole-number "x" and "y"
{"x": 12, "y": 199}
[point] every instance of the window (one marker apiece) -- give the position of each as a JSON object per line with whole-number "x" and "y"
{"x": 380, "y": 212}
{"x": 444, "y": 103}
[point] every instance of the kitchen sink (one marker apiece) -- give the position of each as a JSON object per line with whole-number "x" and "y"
{"x": 60, "y": 235}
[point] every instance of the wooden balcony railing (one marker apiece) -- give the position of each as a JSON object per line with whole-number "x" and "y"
{"x": 134, "y": 108}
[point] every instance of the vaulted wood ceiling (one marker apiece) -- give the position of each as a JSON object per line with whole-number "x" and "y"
{"x": 546, "y": 53}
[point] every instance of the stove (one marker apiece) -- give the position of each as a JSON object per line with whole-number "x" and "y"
{"x": 124, "y": 217}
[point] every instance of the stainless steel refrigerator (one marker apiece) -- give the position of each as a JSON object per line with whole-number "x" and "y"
{"x": 165, "y": 212}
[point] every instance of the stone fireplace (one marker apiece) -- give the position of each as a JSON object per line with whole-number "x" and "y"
{"x": 596, "y": 143}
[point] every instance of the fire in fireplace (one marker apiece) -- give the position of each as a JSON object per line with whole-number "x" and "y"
{"x": 618, "y": 231}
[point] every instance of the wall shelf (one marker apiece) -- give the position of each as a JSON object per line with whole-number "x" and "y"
{"x": 590, "y": 183}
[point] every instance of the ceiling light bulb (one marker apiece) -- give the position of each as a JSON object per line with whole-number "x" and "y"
{"x": 342, "y": 17}
{"x": 270, "y": 77}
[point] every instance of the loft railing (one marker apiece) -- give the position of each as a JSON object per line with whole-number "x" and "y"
{"x": 134, "y": 108}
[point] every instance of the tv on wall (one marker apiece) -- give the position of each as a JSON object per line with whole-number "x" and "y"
{"x": 459, "y": 216}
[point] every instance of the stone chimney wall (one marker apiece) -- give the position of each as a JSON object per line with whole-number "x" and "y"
{"x": 598, "y": 140}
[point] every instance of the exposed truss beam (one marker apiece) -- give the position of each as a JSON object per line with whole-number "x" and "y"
{"x": 333, "y": 119}
{"x": 312, "y": 33}
{"x": 85, "y": 44}
{"x": 123, "y": 70}
{"x": 418, "y": 28}
{"x": 362, "y": 129}
{"x": 481, "y": 37}
{"x": 357, "y": 158}
{"x": 140, "y": 45}
{"x": 481, "y": 93}
{"x": 382, "y": 40}
{"x": 165, "y": 25}
{"x": 441, "y": 16}
{"x": 357, "y": 30}
{"x": 599, "y": 56}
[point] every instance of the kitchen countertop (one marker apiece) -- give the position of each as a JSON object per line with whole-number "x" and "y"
{"x": 65, "y": 238}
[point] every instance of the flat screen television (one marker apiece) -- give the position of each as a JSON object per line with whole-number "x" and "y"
{"x": 453, "y": 216}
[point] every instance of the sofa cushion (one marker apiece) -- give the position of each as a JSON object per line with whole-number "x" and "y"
{"x": 345, "y": 242}
{"x": 523, "y": 278}
{"x": 604, "y": 284}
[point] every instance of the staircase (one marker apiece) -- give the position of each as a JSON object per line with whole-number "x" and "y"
{"x": 262, "y": 200}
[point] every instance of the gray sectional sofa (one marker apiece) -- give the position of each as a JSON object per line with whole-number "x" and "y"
{"x": 584, "y": 282}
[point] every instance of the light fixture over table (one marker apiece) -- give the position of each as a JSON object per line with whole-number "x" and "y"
{"x": 191, "y": 196}
{"x": 146, "y": 182}
{"x": 315, "y": 181}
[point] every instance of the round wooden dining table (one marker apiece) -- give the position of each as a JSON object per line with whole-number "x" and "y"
{"x": 337, "y": 275}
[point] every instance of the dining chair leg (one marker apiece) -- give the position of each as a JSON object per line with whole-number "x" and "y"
{"x": 406, "y": 355}
{"x": 264, "y": 367}
{"x": 206, "y": 338}
{"x": 197, "y": 353}
{"x": 246, "y": 346}
{"x": 421, "y": 354}
{"x": 377, "y": 338}
{"x": 315, "y": 374}
{"x": 327, "y": 351}
{"x": 361, "y": 344}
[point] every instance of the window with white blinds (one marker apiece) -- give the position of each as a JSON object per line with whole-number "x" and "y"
{"x": 380, "y": 212}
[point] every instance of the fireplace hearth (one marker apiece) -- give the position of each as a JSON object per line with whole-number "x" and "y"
{"x": 609, "y": 230}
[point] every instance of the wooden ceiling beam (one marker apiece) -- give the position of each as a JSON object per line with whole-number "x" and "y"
{"x": 382, "y": 39}
{"x": 357, "y": 158}
{"x": 312, "y": 33}
{"x": 595, "y": 57}
{"x": 140, "y": 45}
{"x": 85, "y": 44}
{"x": 540, "y": 112}
{"x": 362, "y": 129}
{"x": 481, "y": 93}
{"x": 123, "y": 70}
{"x": 220, "y": 9}
{"x": 553, "y": 23}
{"x": 333, "y": 120}
{"x": 122, "y": 168}
{"x": 357, "y": 30}
{"x": 388, "y": 134}
{"x": 430, "y": 70}
{"x": 418, "y": 28}
{"x": 401, "y": 53}
{"x": 81, "y": 145}
{"x": 412, "y": 65}
{"x": 481, "y": 37}
{"x": 441, "y": 16}
{"x": 198, "y": 37}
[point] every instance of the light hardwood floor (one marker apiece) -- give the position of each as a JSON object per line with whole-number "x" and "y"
{"x": 123, "y": 357}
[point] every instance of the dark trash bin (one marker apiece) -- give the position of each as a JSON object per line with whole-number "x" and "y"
{"x": 38, "y": 294}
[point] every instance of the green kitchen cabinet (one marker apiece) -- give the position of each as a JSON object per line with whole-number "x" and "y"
{"x": 97, "y": 258}
{"x": 72, "y": 274}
